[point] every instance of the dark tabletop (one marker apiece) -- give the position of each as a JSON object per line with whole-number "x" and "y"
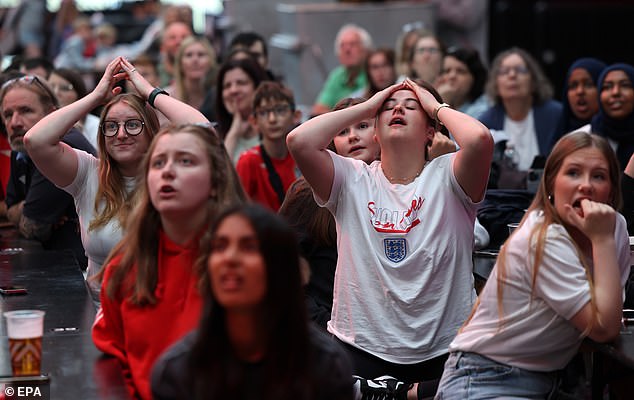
{"x": 55, "y": 284}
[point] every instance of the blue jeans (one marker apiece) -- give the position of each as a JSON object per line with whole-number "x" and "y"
{"x": 472, "y": 376}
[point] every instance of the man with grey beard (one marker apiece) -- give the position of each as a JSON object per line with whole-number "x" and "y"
{"x": 40, "y": 210}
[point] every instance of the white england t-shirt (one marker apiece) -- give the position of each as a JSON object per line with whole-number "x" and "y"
{"x": 403, "y": 283}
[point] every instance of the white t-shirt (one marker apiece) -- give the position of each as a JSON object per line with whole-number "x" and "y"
{"x": 97, "y": 242}
{"x": 523, "y": 139}
{"x": 403, "y": 283}
{"x": 534, "y": 332}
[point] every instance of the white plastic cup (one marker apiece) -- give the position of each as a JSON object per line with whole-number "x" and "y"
{"x": 25, "y": 329}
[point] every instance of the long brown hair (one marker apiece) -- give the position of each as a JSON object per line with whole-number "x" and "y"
{"x": 139, "y": 247}
{"x": 113, "y": 199}
{"x": 213, "y": 370}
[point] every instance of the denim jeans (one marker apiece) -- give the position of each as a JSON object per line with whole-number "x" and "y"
{"x": 472, "y": 376}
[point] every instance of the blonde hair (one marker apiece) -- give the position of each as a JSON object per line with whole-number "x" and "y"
{"x": 138, "y": 250}
{"x": 179, "y": 73}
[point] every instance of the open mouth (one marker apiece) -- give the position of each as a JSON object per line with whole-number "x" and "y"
{"x": 581, "y": 102}
{"x": 355, "y": 148}
{"x": 230, "y": 282}
{"x": 167, "y": 189}
{"x": 397, "y": 121}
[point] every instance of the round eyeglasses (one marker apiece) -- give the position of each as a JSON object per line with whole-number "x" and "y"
{"x": 132, "y": 127}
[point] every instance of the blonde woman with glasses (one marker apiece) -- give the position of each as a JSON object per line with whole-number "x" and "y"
{"x": 103, "y": 187}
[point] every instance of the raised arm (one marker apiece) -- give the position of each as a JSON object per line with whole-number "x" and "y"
{"x": 307, "y": 143}
{"x": 472, "y": 162}
{"x": 175, "y": 110}
{"x": 55, "y": 159}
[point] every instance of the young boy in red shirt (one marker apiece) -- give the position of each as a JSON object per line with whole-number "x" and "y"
{"x": 267, "y": 170}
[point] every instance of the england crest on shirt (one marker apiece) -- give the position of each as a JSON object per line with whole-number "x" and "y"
{"x": 395, "y": 249}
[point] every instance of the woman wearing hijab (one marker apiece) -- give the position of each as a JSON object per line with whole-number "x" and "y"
{"x": 615, "y": 119}
{"x": 581, "y": 94}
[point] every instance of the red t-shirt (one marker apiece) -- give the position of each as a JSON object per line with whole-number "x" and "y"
{"x": 138, "y": 335}
{"x": 255, "y": 177}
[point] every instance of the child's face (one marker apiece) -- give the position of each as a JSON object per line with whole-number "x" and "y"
{"x": 274, "y": 119}
{"x": 357, "y": 141}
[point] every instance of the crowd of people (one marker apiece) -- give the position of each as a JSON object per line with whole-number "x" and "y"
{"x": 323, "y": 256}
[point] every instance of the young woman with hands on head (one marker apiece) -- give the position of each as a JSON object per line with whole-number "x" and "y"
{"x": 102, "y": 187}
{"x": 416, "y": 215}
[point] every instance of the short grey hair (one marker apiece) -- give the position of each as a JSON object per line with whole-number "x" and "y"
{"x": 366, "y": 39}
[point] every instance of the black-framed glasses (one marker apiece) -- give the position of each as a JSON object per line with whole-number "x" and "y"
{"x": 280, "y": 110}
{"x": 131, "y": 126}
{"x": 30, "y": 80}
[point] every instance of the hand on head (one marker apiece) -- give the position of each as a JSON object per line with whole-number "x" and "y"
{"x": 376, "y": 102}
{"x": 106, "y": 87}
{"x": 426, "y": 99}
{"x": 130, "y": 73}
{"x": 118, "y": 70}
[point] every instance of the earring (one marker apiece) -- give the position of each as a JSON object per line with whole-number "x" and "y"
{"x": 550, "y": 199}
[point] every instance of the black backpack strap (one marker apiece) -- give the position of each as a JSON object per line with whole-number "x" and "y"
{"x": 274, "y": 177}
